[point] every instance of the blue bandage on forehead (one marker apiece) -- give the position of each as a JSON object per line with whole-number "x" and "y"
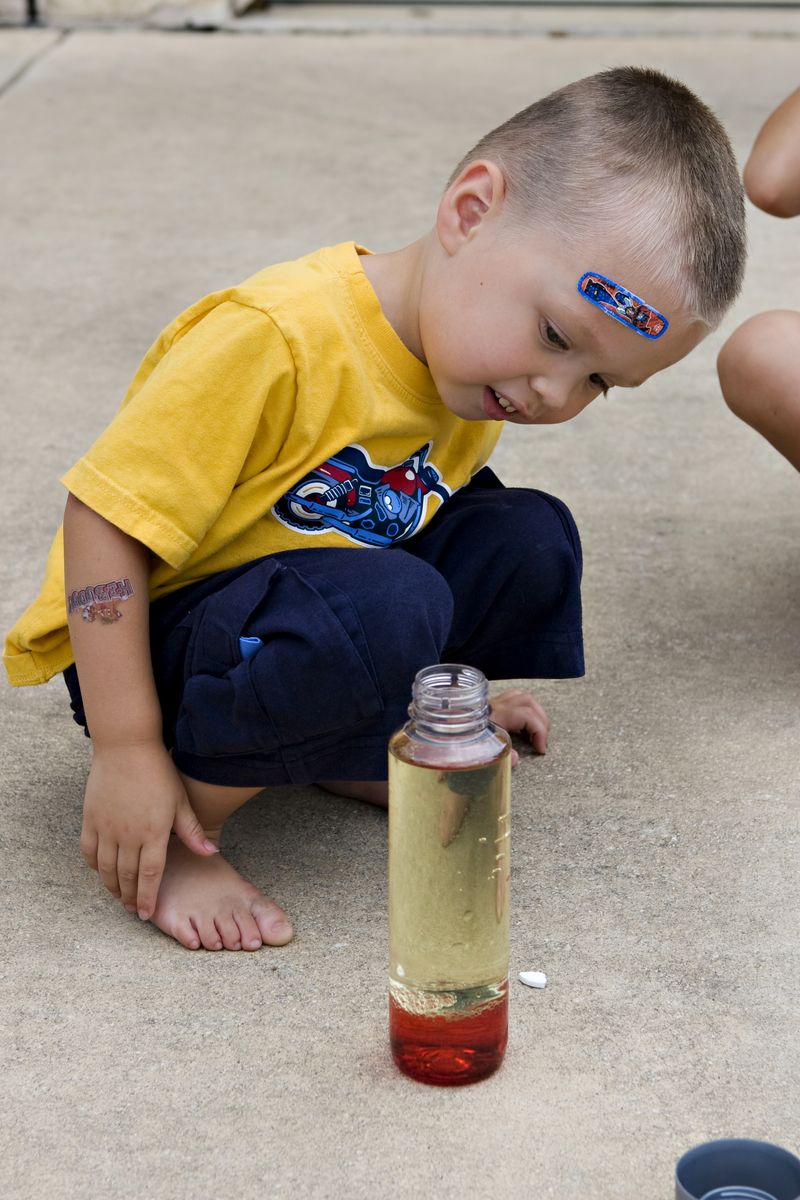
{"x": 622, "y": 305}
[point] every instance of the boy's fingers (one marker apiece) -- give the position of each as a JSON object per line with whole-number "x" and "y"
{"x": 107, "y": 865}
{"x": 190, "y": 831}
{"x": 128, "y": 874}
{"x": 517, "y": 711}
{"x": 539, "y": 728}
{"x": 151, "y": 868}
{"x": 89, "y": 848}
{"x": 537, "y": 713}
{"x": 536, "y": 725}
{"x": 539, "y": 739}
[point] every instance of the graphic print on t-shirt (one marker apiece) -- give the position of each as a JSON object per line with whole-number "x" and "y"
{"x": 376, "y": 505}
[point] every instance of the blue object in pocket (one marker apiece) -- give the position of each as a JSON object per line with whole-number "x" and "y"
{"x": 248, "y": 646}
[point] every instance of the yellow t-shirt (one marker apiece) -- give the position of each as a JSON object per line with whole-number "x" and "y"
{"x": 281, "y": 413}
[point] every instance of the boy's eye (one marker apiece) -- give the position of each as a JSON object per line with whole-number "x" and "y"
{"x": 598, "y": 381}
{"x": 554, "y": 337}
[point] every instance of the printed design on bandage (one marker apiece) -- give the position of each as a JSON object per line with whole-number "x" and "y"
{"x": 100, "y": 600}
{"x": 622, "y": 305}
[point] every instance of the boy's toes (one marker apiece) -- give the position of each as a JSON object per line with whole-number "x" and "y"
{"x": 248, "y": 930}
{"x": 207, "y": 931}
{"x": 184, "y": 932}
{"x": 229, "y": 931}
{"x": 273, "y": 924}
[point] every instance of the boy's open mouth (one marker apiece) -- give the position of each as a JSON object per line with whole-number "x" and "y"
{"x": 496, "y": 406}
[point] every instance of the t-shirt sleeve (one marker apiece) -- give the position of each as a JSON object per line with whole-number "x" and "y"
{"x": 167, "y": 464}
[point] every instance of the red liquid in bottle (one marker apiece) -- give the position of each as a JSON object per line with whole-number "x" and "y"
{"x": 449, "y": 1051}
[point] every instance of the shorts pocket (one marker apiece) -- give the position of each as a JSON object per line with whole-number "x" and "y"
{"x": 311, "y": 679}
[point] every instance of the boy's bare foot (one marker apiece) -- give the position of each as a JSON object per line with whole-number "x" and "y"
{"x": 206, "y": 902}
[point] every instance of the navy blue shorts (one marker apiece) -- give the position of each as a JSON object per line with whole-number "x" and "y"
{"x": 493, "y": 580}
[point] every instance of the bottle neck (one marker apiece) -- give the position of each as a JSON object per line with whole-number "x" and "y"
{"x": 450, "y": 700}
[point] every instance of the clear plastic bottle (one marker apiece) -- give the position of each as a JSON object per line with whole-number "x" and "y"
{"x": 449, "y": 862}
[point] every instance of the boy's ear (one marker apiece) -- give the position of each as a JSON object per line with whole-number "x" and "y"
{"x": 476, "y": 194}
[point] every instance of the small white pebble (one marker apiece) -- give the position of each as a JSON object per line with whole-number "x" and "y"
{"x": 536, "y": 979}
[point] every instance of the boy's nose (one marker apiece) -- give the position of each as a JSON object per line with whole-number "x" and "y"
{"x": 552, "y": 391}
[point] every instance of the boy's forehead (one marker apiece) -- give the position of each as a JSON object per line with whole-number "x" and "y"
{"x": 617, "y": 310}
{"x": 553, "y": 268}
{"x": 552, "y": 259}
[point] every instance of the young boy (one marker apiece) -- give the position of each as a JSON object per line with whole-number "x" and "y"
{"x": 231, "y": 623}
{"x": 759, "y": 364}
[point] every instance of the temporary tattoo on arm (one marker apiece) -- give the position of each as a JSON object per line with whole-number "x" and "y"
{"x": 622, "y": 305}
{"x": 100, "y": 600}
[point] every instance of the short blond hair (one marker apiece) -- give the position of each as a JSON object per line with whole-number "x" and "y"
{"x": 632, "y": 150}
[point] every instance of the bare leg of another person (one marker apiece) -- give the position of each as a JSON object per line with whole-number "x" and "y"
{"x": 759, "y": 373}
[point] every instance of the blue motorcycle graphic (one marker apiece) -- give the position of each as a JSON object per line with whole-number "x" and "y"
{"x": 373, "y": 505}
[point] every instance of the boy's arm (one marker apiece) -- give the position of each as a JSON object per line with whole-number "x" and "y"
{"x": 772, "y": 172}
{"x": 134, "y": 795}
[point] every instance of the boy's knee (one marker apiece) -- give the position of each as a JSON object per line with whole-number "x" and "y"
{"x": 413, "y": 600}
{"x": 547, "y": 526}
{"x": 754, "y": 356}
{"x": 538, "y": 542}
{"x": 558, "y": 557}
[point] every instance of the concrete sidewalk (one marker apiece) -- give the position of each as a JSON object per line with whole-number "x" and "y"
{"x": 655, "y": 846}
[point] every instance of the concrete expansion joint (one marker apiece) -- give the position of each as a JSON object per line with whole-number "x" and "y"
{"x": 43, "y": 46}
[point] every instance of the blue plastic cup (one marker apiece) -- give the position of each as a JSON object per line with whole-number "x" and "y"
{"x": 737, "y": 1169}
{"x": 738, "y": 1193}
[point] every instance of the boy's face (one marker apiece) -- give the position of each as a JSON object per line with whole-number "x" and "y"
{"x": 503, "y": 328}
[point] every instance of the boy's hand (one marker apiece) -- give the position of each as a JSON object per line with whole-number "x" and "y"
{"x": 134, "y": 798}
{"x": 517, "y": 711}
